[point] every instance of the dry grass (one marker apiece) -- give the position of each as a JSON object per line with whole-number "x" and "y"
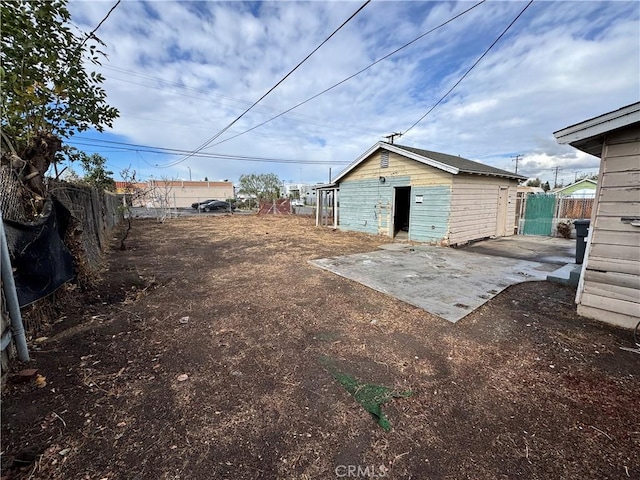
{"x": 258, "y": 403}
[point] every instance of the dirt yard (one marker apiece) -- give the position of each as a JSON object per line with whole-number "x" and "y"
{"x": 204, "y": 353}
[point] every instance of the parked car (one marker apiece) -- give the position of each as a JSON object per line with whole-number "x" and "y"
{"x": 217, "y": 205}
{"x": 297, "y": 203}
{"x": 204, "y": 202}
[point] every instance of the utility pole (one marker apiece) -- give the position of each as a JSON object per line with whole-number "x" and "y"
{"x": 393, "y": 136}
{"x": 555, "y": 180}
{"x": 516, "y": 159}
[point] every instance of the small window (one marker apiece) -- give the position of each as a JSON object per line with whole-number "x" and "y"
{"x": 384, "y": 159}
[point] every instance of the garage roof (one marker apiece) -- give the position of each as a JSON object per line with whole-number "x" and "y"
{"x": 449, "y": 163}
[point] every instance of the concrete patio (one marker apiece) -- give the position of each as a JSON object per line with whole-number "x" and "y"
{"x": 449, "y": 282}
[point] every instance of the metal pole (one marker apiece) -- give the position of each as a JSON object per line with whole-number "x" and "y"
{"x": 335, "y": 208}
{"x": 318, "y": 193}
{"x": 12, "y": 299}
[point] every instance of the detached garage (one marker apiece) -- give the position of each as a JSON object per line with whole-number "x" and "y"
{"x": 425, "y": 196}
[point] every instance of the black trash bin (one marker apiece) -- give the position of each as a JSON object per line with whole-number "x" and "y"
{"x": 582, "y": 231}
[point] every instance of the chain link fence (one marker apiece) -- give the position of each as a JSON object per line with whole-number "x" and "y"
{"x": 5, "y": 324}
{"x": 13, "y": 196}
{"x": 94, "y": 214}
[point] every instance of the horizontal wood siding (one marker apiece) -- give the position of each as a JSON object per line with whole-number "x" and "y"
{"x": 624, "y": 179}
{"x": 366, "y": 204}
{"x": 399, "y": 166}
{"x": 454, "y": 208}
{"x": 610, "y": 289}
{"x": 611, "y": 318}
{"x": 607, "y": 265}
{"x": 429, "y": 220}
{"x": 474, "y": 207}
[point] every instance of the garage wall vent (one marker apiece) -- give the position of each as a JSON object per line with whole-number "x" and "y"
{"x": 384, "y": 159}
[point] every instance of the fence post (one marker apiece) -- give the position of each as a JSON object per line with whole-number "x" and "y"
{"x": 175, "y": 206}
{"x": 9, "y": 288}
{"x": 523, "y": 210}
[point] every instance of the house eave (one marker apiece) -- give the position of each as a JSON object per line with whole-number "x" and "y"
{"x": 356, "y": 162}
{"x": 425, "y": 160}
{"x": 325, "y": 186}
{"x": 588, "y": 135}
{"x": 399, "y": 151}
{"x": 488, "y": 174}
{"x": 419, "y": 158}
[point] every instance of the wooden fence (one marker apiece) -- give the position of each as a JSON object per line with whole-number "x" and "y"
{"x": 574, "y": 208}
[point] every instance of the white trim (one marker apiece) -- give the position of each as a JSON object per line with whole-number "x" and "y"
{"x": 324, "y": 186}
{"x": 399, "y": 151}
{"x": 357, "y": 162}
{"x": 599, "y": 125}
{"x": 420, "y": 158}
{"x": 592, "y": 226}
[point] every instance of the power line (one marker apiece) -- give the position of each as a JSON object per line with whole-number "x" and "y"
{"x": 212, "y": 139}
{"x": 174, "y": 151}
{"x": 471, "y": 68}
{"x": 314, "y": 96}
{"x": 302, "y": 118}
{"x": 354, "y": 75}
{"x": 99, "y": 24}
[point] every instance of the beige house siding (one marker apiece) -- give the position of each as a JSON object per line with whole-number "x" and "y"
{"x": 399, "y": 166}
{"x": 445, "y": 209}
{"x": 367, "y": 203}
{"x": 610, "y": 285}
{"x": 475, "y": 208}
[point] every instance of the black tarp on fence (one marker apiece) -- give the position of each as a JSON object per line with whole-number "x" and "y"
{"x": 39, "y": 257}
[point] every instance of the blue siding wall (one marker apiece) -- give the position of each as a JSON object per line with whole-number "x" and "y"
{"x": 367, "y": 206}
{"x": 429, "y": 220}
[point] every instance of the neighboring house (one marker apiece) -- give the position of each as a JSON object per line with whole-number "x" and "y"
{"x": 523, "y": 189}
{"x": 179, "y": 193}
{"x": 585, "y": 188}
{"x": 425, "y": 196}
{"x": 302, "y": 191}
{"x": 609, "y": 287}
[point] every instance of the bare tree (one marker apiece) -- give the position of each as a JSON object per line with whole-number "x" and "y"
{"x": 160, "y": 193}
{"x": 132, "y": 193}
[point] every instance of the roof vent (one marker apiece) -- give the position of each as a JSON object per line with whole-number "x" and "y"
{"x": 384, "y": 159}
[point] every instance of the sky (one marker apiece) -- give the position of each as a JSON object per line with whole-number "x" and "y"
{"x": 181, "y": 71}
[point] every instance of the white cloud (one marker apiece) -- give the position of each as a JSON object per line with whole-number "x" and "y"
{"x": 191, "y": 67}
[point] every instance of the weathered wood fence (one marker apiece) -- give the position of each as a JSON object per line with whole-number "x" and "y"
{"x": 539, "y": 214}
